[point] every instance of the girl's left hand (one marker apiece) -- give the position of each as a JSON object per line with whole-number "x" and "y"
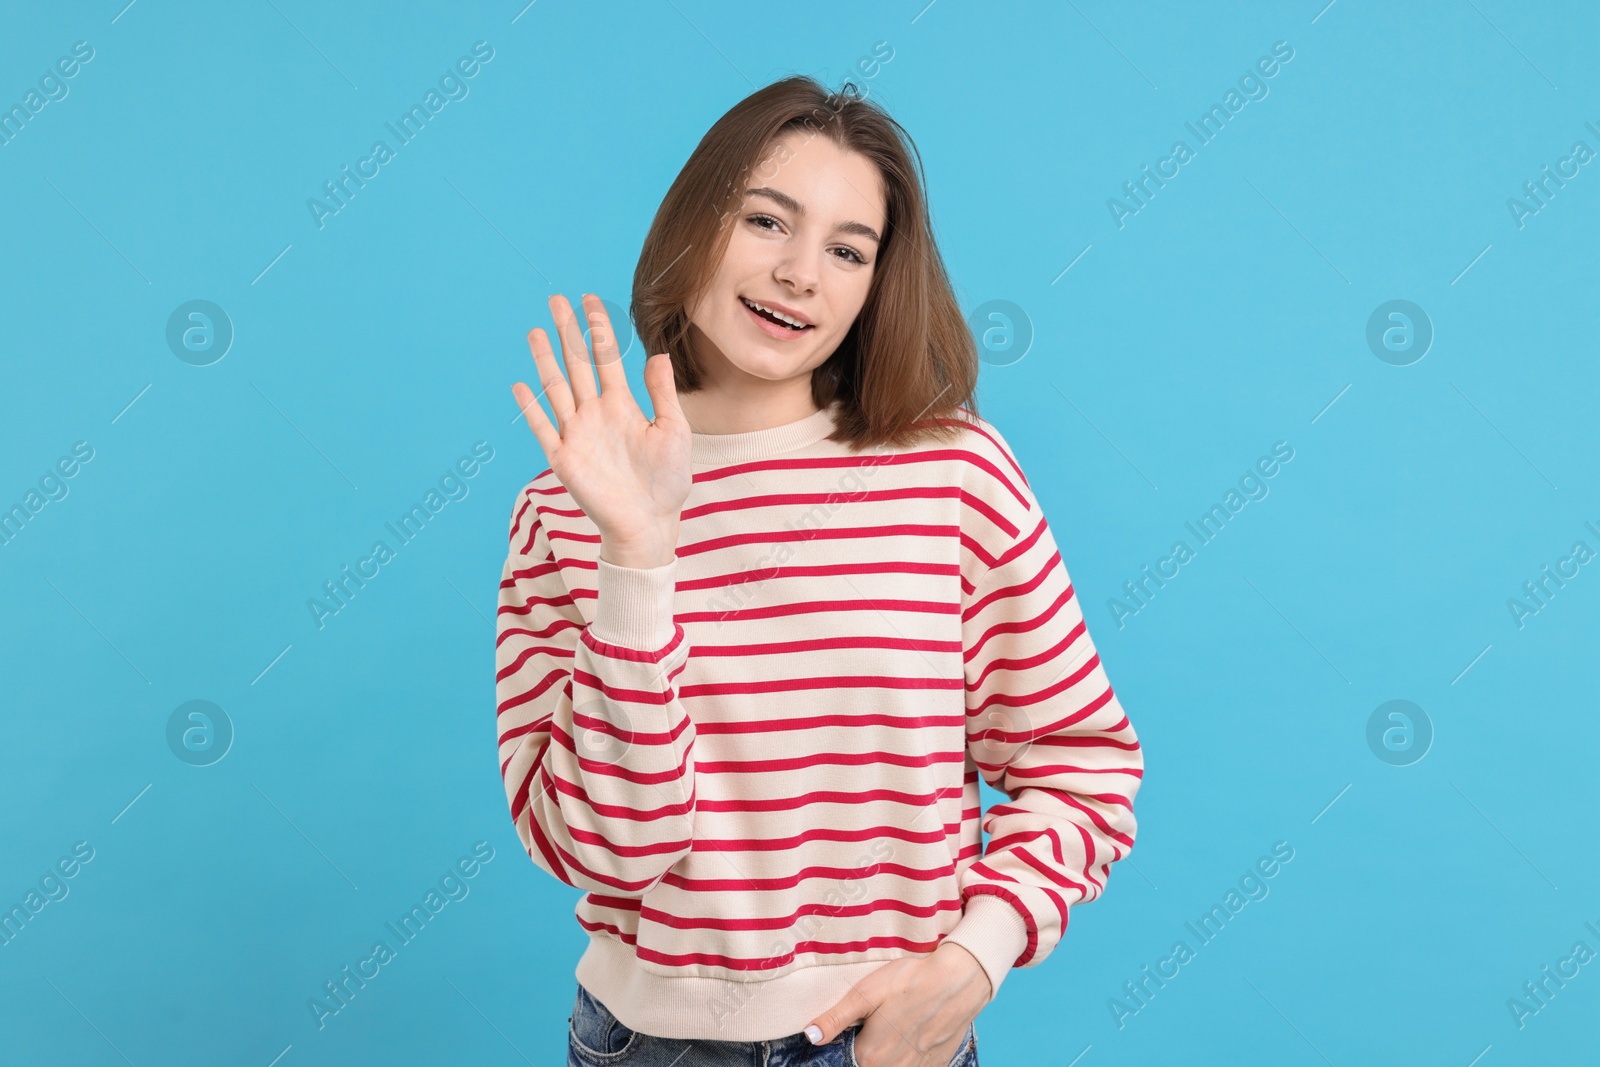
{"x": 917, "y": 1009}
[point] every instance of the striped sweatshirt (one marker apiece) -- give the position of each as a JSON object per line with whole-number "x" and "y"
{"x": 760, "y": 761}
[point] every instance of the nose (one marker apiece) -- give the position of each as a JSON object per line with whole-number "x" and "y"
{"x": 799, "y": 270}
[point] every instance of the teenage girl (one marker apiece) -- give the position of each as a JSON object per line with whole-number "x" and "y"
{"x": 753, "y": 653}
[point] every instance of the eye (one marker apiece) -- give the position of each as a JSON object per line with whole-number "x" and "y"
{"x": 758, "y": 220}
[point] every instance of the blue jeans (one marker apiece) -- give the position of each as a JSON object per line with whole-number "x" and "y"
{"x": 596, "y": 1038}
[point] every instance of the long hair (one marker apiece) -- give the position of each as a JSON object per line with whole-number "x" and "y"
{"x": 909, "y": 361}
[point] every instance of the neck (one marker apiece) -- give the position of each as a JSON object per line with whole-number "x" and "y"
{"x": 717, "y": 409}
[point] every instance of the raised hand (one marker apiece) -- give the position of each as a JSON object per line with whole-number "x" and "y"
{"x": 629, "y": 474}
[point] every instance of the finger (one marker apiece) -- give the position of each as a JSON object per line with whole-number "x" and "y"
{"x": 552, "y": 383}
{"x": 580, "y": 375}
{"x": 546, "y": 434}
{"x": 663, "y": 389}
{"x": 856, "y": 1004}
{"x": 603, "y": 339}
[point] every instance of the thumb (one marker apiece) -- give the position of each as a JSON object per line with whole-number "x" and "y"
{"x": 858, "y": 1003}
{"x": 658, "y": 380}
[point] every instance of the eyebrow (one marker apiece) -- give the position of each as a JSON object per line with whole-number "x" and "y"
{"x": 789, "y": 203}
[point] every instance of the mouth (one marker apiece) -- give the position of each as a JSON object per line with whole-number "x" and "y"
{"x": 774, "y": 322}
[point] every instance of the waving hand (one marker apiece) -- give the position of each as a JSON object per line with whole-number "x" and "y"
{"x": 630, "y": 474}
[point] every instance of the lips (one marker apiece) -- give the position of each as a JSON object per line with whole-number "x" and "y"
{"x": 782, "y": 319}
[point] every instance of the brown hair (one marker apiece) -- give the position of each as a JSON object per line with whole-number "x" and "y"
{"x": 909, "y": 361}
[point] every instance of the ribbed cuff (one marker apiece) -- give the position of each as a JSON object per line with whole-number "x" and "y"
{"x": 635, "y": 608}
{"x": 993, "y": 932}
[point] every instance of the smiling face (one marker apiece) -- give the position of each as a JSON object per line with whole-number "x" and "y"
{"x": 804, "y": 246}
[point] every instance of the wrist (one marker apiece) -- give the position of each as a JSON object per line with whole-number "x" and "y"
{"x": 962, "y": 960}
{"x": 994, "y": 933}
{"x": 642, "y": 551}
{"x": 637, "y": 558}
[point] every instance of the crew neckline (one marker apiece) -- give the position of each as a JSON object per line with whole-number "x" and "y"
{"x": 719, "y": 448}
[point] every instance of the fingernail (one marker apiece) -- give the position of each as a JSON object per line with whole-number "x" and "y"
{"x": 814, "y": 1032}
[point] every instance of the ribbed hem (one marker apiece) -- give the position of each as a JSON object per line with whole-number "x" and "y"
{"x": 695, "y": 1008}
{"x": 992, "y": 931}
{"x": 635, "y": 605}
{"x": 720, "y": 448}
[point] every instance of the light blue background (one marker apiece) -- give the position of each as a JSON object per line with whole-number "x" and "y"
{"x": 1228, "y": 314}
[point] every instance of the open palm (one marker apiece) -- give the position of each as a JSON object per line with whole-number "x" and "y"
{"x": 629, "y": 474}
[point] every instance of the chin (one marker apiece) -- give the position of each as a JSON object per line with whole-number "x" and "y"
{"x": 775, "y": 369}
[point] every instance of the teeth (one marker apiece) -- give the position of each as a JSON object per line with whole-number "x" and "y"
{"x": 775, "y": 314}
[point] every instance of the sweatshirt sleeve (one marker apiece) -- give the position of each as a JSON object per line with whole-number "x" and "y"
{"x": 1044, "y": 728}
{"x": 596, "y": 751}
